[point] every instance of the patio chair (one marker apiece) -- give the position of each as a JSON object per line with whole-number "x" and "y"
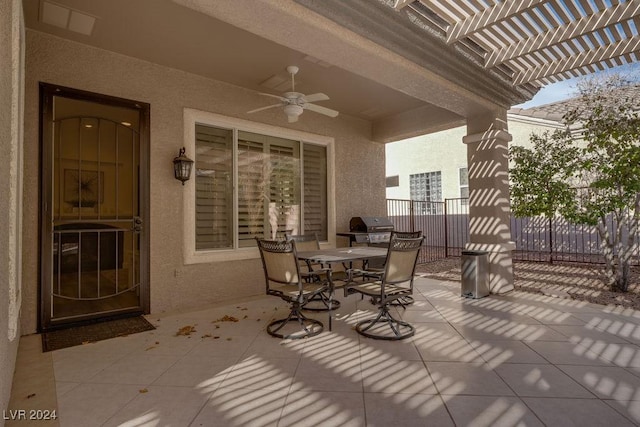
{"x": 386, "y": 287}
{"x": 408, "y": 299}
{"x": 320, "y": 301}
{"x": 305, "y": 242}
{"x": 284, "y": 280}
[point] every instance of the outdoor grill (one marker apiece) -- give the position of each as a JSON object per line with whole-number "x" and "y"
{"x": 371, "y": 230}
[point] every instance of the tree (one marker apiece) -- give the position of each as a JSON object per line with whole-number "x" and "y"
{"x": 609, "y": 166}
{"x": 590, "y": 173}
{"x": 541, "y": 177}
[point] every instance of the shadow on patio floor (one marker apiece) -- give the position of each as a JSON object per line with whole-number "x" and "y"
{"x": 582, "y": 282}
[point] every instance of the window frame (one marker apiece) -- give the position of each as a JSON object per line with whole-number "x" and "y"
{"x": 193, "y": 117}
{"x": 464, "y": 201}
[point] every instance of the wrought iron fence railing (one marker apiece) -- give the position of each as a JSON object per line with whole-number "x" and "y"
{"x": 446, "y": 229}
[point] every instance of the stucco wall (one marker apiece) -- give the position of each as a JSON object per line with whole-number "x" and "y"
{"x": 11, "y": 23}
{"x": 440, "y": 151}
{"x": 360, "y": 184}
{"x": 444, "y": 151}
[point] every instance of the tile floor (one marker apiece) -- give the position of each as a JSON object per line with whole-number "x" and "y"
{"x": 512, "y": 360}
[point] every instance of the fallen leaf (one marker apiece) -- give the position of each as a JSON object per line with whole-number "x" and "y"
{"x": 31, "y": 395}
{"x": 186, "y": 330}
{"x": 226, "y": 318}
{"x": 144, "y": 390}
{"x": 229, "y": 339}
{"x": 206, "y": 336}
{"x": 215, "y": 338}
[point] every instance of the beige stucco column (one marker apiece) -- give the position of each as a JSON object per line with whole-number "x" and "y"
{"x": 489, "y": 208}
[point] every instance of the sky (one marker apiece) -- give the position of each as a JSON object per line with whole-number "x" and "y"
{"x": 568, "y": 88}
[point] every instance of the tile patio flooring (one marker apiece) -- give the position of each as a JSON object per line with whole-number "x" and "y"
{"x": 520, "y": 359}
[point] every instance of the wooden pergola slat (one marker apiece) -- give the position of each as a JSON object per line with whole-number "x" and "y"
{"x": 588, "y": 57}
{"x": 488, "y": 17}
{"x": 538, "y": 41}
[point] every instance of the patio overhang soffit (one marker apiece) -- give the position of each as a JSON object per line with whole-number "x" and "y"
{"x": 408, "y": 66}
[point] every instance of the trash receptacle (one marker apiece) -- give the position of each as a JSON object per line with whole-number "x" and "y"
{"x": 475, "y": 274}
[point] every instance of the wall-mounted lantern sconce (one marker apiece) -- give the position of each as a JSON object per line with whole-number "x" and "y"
{"x": 182, "y": 166}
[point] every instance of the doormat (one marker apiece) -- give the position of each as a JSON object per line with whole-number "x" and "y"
{"x": 86, "y": 334}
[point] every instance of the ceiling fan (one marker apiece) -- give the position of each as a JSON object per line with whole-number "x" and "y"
{"x": 295, "y": 103}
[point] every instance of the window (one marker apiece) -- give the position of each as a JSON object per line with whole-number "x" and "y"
{"x": 253, "y": 180}
{"x": 393, "y": 181}
{"x": 463, "y": 175}
{"x": 426, "y": 188}
{"x": 214, "y": 188}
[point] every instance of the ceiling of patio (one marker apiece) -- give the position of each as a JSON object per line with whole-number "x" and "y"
{"x": 166, "y": 33}
{"x": 427, "y": 62}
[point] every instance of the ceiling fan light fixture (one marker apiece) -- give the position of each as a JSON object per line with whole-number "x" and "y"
{"x": 293, "y": 110}
{"x": 294, "y": 103}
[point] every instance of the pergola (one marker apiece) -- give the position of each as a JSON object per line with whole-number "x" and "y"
{"x": 529, "y": 44}
{"x": 534, "y": 42}
{"x": 524, "y": 45}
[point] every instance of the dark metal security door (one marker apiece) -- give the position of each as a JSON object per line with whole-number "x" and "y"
{"x": 94, "y": 207}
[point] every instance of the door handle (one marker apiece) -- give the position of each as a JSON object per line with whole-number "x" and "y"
{"x": 137, "y": 224}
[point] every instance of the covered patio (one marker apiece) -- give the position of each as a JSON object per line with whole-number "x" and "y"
{"x": 517, "y": 359}
{"x": 194, "y": 74}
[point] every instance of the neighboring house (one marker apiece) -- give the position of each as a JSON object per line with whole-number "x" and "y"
{"x": 434, "y": 167}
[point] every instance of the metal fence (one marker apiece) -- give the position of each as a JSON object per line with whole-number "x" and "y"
{"x": 446, "y": 229}
{"x": 445, "y": 225}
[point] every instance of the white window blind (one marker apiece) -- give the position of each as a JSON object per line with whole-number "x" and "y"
{"x": 268, "y": 187}
{"x": 269, "y": 199}
{"x": 214, "y": 187}
{"x": 315, "y": 190}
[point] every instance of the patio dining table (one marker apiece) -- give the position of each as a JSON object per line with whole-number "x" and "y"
{"x": 329, "y": 257}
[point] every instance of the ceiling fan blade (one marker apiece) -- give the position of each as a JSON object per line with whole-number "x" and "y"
{"x": 322, "y": 110}
{"x": 292, "y": 119}
{"x": 264, "y": 108}
{"x": 314, "y": 97}
{"x": 281, "y": 98}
